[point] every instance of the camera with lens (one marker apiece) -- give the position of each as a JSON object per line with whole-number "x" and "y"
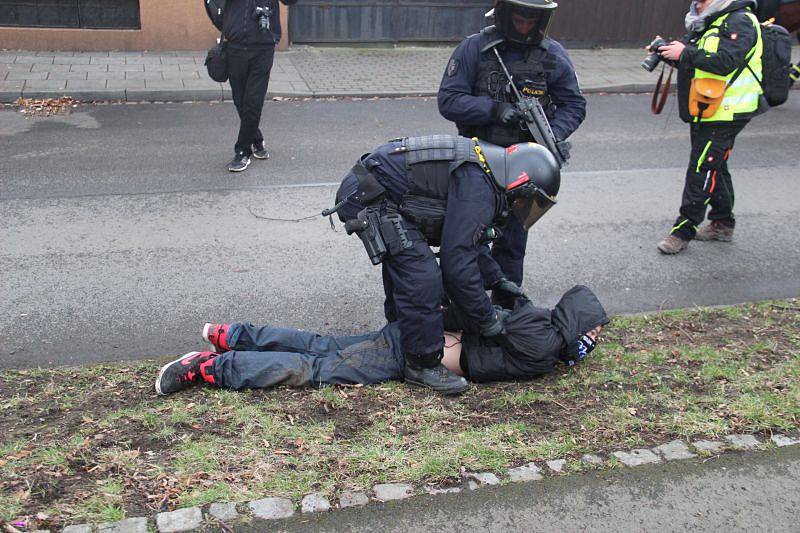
{"x": 651, "y": 62}
{"x": 263, "y": 14}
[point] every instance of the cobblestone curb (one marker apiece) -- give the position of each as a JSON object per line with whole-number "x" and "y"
{"x": 193, "y": 518}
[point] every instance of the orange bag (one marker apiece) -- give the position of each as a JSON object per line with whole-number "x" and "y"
{"x": 705, "y": 96}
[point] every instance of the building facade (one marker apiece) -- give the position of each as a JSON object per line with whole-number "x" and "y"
{"x": 183, "y": 25}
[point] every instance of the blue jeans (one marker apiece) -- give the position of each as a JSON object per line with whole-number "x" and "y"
{"x": 262, "y": 356}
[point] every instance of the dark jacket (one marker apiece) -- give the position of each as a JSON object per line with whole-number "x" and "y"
{"x": 466, "y": 267}
{"x": 240, "y": 25}
{"x": 458, "y": 104}
{"x": 536, "y": 339}
{"x": 737, "y": 38}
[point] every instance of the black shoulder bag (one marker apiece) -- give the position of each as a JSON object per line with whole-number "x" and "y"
{"x": 217, "y": 61}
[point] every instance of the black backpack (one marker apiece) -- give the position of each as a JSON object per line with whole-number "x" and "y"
{"x": 776, "y": 64}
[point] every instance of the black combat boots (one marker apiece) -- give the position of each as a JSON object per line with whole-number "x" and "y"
{"x": 438, "y": 378}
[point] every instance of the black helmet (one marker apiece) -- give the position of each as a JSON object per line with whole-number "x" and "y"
{"x": 524, "y": 21}
{"x": 528, "y": 173}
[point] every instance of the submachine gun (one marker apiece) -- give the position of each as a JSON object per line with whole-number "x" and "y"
{"x": 536, "y": 120}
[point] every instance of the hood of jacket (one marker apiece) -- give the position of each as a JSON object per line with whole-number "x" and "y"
{"x": 578, "y": 312}
{"x": 696, "y": 22}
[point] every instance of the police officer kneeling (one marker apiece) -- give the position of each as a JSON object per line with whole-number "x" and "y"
{"x": 451, "y": 192}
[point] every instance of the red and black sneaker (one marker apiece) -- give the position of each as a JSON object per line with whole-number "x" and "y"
{"x": 194, "y": 367}
{"x": 217, "y": 336}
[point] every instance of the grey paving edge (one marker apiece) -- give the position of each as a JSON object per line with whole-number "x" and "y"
{"x": 274, "y": 508}
{"x": 180, "y": 520}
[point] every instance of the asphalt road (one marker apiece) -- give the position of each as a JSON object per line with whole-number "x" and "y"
{"x": 750, "y": 492}
{"x": 121, "y": 233}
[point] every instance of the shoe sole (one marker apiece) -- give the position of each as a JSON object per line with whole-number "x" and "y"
{"x": 164, "y": 369}
{"x": 671, "y": 252}
{"x": 452, "y": 392}
{"x": 239, "y": 169}
{"x": 719, "y": 238}
{"x": 211, "y": 346}
{"x": 261, "y": 158}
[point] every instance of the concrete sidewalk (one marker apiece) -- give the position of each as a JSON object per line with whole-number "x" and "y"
{"x": 300, "y": 72}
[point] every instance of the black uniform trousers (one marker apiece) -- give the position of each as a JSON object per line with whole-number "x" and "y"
{"x": 248, "y": 71}
{"x": 708, "y": 180}
{"x": 412, "y": 283}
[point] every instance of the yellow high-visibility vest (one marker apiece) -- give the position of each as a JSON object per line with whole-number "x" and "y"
{"x": 744, "y": 95}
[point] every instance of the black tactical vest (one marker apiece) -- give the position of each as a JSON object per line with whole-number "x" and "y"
{"x": 431, "y": 160}
{"x": 530, "y": 77}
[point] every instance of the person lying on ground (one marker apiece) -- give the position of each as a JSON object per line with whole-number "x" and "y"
{"x": 535, "y": 340}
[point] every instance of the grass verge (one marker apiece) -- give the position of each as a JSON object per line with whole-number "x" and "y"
{"x": 95, "y": 443}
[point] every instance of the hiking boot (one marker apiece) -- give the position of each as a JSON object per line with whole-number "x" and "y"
{"x": 438, "y": 378}
{"x": 217, "y": 336}
{"x": 259, "y": 151}
{"x": 239, "y": 162}
{"x": 194, "y": 367}
{"x": 716, "y": 230}
{"x": 672, "y": 245}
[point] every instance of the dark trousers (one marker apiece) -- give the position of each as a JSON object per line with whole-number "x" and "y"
{"x": 509, "y": 250}
{"x": 412, "y": 283}
{"x": 262, "y": 356}
{"x": 708, "y": 181}
{"x": 248, "y": 72}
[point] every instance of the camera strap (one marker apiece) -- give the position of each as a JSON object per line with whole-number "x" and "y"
{"x": 659, "y": 100}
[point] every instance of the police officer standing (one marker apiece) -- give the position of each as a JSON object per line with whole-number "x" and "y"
{"x": 251, "y": 29}
{"x": 450, "y": 192}
{"x": 723, "y": 48}
{"x": 475, "y": 94}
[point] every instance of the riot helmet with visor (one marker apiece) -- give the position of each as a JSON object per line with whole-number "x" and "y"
{"x": 530, "y": 176}
{"x": 524, "y": 21}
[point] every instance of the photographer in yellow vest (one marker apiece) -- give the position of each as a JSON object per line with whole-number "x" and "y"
{"x": 719, "y": 65}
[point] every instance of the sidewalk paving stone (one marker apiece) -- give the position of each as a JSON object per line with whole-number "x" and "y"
{"x": 20, "y": 75}
{"x": 223, "y": 511}
{"x": 17, "y": 67}
{"x": 349, "y": 498}
{"x": 742, "y": 441}
{"x": 129, "y": 525}
{"x": 709, "y": 446}
{"x": 141, "y": 75}
{"x": 592, "y": 459}
{"x": 671, "y": 451}
{"x": 315, "y": 503}
{"x": 529, "y": 472}
{"x": 180, "y": 520}
{"x": 392, "y": 491}
{"x": 272, "y": 508}
{"x": 78, "y": 528}
{"x": 88, "y": 68}
{"x": 10, "y": 90}
{"x": 39, "y": 86}
{"x": 637, "y": 457}
{"x": 782, "y": 440}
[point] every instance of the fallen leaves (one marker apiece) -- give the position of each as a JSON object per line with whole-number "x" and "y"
{"x": 45, "y": 107}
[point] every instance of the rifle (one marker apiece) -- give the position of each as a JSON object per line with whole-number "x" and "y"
{"x": 536, "y": 120}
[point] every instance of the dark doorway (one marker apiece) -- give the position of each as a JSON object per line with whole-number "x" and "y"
{"x": 93, "y": 14}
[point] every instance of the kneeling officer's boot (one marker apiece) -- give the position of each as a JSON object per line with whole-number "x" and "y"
{"x": 438, "y": 378}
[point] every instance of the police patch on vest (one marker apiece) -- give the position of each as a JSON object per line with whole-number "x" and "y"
{"x": 452, "y": 67}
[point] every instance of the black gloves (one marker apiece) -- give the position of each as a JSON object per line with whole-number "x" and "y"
{"x": 505, "y": 113}
{"x": 508, "y": 289}
{"x": 495, "y": 326}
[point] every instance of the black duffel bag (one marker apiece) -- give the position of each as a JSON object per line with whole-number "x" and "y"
{"x": 217, "y": 61}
